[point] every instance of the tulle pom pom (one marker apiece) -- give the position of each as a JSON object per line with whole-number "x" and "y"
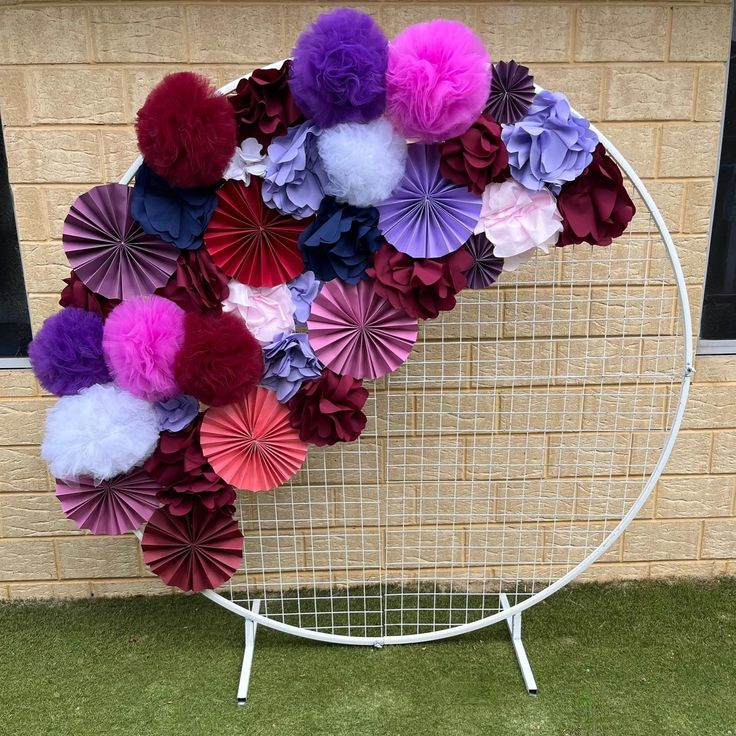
{"x": 186, "y": 131}
{"x": 101, "y": 432}
{"x": 437, "y": 81}
{"x": 364, "y": 162}
{"x": 66, "y": 354}
{"x": 142, "y": 337}
{"x": 220, "y": 360}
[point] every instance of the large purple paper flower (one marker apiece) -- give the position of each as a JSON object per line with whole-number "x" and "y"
{"x": 304, "y": 289}
{"x": 550, "y": 145}
{"x": 289, "y": 361}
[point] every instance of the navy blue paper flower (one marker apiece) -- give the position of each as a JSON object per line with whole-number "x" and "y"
{"x": 341, "y": 241}
{"x": 178, "y": 216}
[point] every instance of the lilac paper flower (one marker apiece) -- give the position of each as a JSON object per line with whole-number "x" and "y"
{"x": 289, "y": 361}
{"x": 304, "y": 289}
{"x": 175, "y": 413}
{"x": 549, "y": 145}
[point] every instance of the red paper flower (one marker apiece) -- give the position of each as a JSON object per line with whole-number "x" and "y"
{"x": 329, "y": 410}
{"x": 181, "y": 502}
{"x": 77, "y": 294}
{"x": 197, "y": 285}
{"x": 477, "y": 157}
{"x": 595, "y": 207}
{"x": 263, "y": 105}
{"x": 422, "y": 287}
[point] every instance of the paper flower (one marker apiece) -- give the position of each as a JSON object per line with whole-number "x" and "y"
{"x": 66, "y": 353}
{"x": 100, "y": 432}
{"x": 421, "y": 287}
{"x": 512, "y": 92}
{"x": 304, "y": 288}
{"x": 178, "y": 216}
{"x": 549, "y": 145}
{"x": 329, "y": 410}
{"x": 175, "y": 413}
{"x": 595, "y": 208}
{"x": 294, "y": 180}
{"x": 266, "y": 312}
{"x": 289, "y": 361}
{"x": 180, "y": 503}
{"x": 339, "y": 68}
{"x": 197, "y": 285}
{"x": 363, "y": 161}
{"x": 477, "y": 157}
{"x": 437, "y": 80}
{"x": 341, "y": 241}
{"x": 263, "y": 105}
{"x": 487, "y": 266}
{"x": 248, "y": 160}
{"x": 77, "y": 294}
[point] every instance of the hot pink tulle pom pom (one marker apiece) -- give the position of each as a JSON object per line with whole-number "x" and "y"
{"x": 437, "y": 82}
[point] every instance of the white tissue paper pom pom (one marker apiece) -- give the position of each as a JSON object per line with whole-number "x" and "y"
{"x": 363, "y": 161}
{"x": 100, "y": 432}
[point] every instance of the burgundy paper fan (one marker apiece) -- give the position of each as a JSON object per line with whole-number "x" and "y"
{"x": 512, "y": 92}
{"x": 486, "y": 266}
{"x": 195, "y": 552}
{"x": 358, "y": 333}
{"x": 111, "y": 507}
{"x": 251, "y": 242}
{"x": 109, "y": 251}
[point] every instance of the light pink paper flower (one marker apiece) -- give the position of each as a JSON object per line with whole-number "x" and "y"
{"x": 266, "y": 311}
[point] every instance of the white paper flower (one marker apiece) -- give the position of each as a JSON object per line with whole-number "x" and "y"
{"x": 248, "y": 160}
{"x": 266, "y": 311}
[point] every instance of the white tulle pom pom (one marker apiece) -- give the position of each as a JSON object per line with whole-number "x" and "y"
{"x": 100, "y": 432}
{"x": 363, "y": 161}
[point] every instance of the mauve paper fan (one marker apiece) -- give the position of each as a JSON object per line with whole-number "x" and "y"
{"x": 251, "y": 242}
{"x": 251, "y": 444}
{"x": 356, "y": 332}
{"x": 111, "y": 507}
{"x": 486, "y": 266}
{"x": 428, "y": 216}
{"x": 109, "y": 251}
{"x": 512, "y": 92}
{"x": 195, "y": 552}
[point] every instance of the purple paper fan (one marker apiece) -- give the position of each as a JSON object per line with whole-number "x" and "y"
{"x": 512, "y": 92}
{"x": 428, "y": 216}
{"x": 109, "y": 251}
{"x": 111, "y": 507}
{"x": 486, "y": 267}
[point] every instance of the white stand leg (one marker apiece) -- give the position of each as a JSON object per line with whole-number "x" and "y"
{"x": 514, "y": 624}
{"x": 250, "y": 645}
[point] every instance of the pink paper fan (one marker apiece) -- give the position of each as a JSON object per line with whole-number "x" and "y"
{"x": 195, "y": 552}
{"x": 109, "y": 251}
{"x": 251, "y": 444}
{"x": 112, "y": 507}
{"x": 356, "y": 332}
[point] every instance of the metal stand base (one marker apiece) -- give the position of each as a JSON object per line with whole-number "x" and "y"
{"x": 514, "y": 624}
{"x": 250, "y": 645}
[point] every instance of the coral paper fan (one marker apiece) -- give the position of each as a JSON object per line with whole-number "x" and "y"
{"x": 486, "y": 266}
{"x": 109, "y": 251}
{"x": 251, "y": 242}
{"x": 200, "y": 550}
{"x": 355, "y": 331}
{"x": 512, "y": 92}
{"x": 251, "y": 443}
{"x": 112, "y": 506}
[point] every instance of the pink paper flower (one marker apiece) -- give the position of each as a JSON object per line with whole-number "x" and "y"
{"x": 266, "y": 311}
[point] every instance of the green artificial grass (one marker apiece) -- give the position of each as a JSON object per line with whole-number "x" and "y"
{"x": 639, "y": 658}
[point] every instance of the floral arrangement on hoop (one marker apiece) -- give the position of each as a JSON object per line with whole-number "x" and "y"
{"x": 279, "y": 247}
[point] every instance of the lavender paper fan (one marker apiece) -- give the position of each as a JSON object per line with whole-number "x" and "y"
{"x": 486, "y": 266}
{"x": 428, "y": 216}
{"x": 109, "y": 251}
{"x": 512, "y": 92}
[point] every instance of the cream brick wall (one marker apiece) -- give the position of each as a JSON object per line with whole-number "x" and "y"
{"x": 72, "y": 75}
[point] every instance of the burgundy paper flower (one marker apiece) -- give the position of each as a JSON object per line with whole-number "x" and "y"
{"x": 263, "y": 104}
{"x": 181, "y": 502}
{"x": 197, "y": 285}
{"x": 422, "y": 287}
{"x": 77, "y": 294}
{"x": 595, "y": 207}
{"x": 477, "y": 157}
{"x": 329, "y": 410}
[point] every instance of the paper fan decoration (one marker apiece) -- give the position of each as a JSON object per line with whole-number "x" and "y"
{"x": 428, "y": 216}
{"x": 109, "y": 251}
{"x": 251, "y": 242}
{"x": 356, "y": 332}
{"x": 251, "y": 444}
{"x": 512, "y": 92}
{"x": 486, "y": 266}
{"x": 195, "y": 552}
{"x": 111, "y": 507}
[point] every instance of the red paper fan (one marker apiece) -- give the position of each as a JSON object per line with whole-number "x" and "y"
{"x": 194, "y": 552}
{"x": 251, "y": 242}
{"x": 251, "y": 444}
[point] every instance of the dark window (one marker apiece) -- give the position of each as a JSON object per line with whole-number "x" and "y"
{"x": 15, "y": 325}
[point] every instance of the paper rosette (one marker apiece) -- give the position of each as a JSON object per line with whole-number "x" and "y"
{"x": 428, "y": 216}
{"x": 111, "y": 507}
{"x": 251, "y": 444}
{"x": 109, "y": 251}
{"x": 251, "y": 242}
{"x": 356, "y": 332}
{"x": 512, "y": 92}
{"x": 486, "y": 266}
{"x": 200, "y": 550}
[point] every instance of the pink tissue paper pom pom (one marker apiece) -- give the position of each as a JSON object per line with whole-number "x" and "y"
{"x": 437, "y": 81}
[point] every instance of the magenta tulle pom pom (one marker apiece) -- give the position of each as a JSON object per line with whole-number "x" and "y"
{"x": 141, "y": 340}
{"x": 437, "y": 80}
